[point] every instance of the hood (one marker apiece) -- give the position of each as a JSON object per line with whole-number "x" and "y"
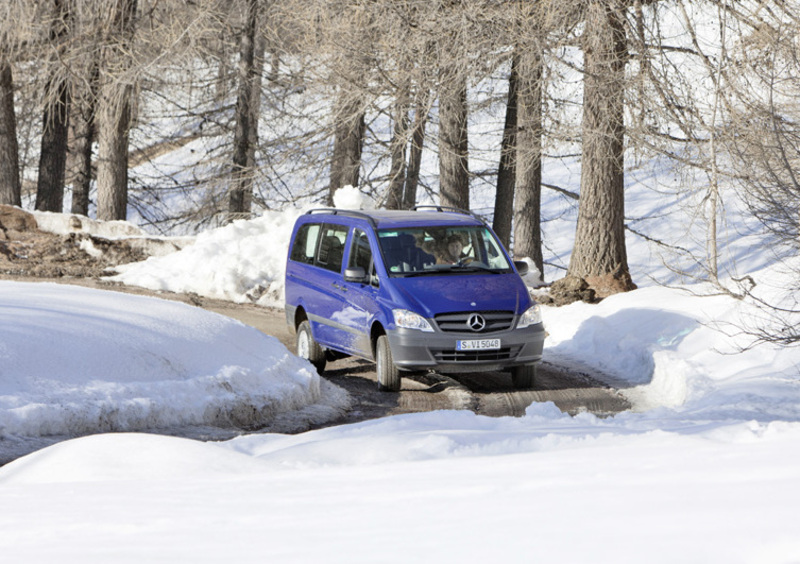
{"x": 430, "y": 295}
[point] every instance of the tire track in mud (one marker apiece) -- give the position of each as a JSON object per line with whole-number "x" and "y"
{"x": 573, "y": 389}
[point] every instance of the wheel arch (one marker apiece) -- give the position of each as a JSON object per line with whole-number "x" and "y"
{"x": 374, "y": 332}
{"x": 299, "y": 316}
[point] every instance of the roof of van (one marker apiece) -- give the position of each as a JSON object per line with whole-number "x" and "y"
{"x": 388, "y": 219}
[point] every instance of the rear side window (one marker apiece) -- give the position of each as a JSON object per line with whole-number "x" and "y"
{"x": 331, "y": 247}
{"x": 305, "y": 243}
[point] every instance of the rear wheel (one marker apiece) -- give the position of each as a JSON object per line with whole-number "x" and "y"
{"x": 308, "y": 348}
{"x": 388, "y": 374}
{"x": 523, "y": 376}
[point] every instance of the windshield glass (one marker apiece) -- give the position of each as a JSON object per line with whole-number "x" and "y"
{"x": 416, "y": 251}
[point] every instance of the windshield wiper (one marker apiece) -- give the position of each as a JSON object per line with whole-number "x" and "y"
{"x": 457, "y": 269}
{"x": 476, "y": 268}
{"x": 416, "y": 273}
{"x": 441, "y": 269}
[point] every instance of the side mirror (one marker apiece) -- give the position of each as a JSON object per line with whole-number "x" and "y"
{"x": 357, "y": 274}
{"x": 521, "y": 266}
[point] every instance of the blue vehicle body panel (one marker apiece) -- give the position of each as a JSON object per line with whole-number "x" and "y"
{"x": 432, "y": 295}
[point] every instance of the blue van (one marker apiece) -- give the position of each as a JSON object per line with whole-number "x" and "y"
{"x": 426, "y": 289}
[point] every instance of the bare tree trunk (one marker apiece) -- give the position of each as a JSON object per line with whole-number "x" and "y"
{"x": 528, "y": 196}
{"x": 504, "y": 196}
{"x": 10, "y": 189}
{"x": 83, "y": 136}
{"x": 55, "y": 122}
{"x": 599, "y": 255}
{"x": 453, "y": 148}
{"x": 714, "y": 187}
{"x": 255, "y": 109}
{"x": 246, "y": 134}
{"x": 53, "y": 156}
{"x": 415, "y": 152}
{"x": 112, "y": 161}
{"x": 347, "y": 145}
{"x": 114, "y": 117}
{"x": 397, "y": 173}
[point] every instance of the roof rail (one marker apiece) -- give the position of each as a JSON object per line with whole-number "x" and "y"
{"x": 449, "y": 209}
{"x": 348, "y": 213}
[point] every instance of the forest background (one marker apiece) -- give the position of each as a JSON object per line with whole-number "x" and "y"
{"x": 282, "y": 102}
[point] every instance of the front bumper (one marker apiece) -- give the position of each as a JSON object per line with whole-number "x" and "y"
{"x": 417, "y": 350}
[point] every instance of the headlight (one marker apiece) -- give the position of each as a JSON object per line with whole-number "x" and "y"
{"x": 532, "y": 316}
{"x": 411, "y": 320}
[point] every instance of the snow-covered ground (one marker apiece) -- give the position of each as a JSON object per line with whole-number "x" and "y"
{"x": 706, "y": 468}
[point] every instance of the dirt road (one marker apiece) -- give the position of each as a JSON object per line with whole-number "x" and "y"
{"x": 491, "y": 393}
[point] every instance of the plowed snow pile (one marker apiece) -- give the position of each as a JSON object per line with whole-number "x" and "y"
{"x": 76, "y": 361}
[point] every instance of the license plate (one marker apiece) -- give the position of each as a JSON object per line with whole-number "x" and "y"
{"x": 478, "y": 345}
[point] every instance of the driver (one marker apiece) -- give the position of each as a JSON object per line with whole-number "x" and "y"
{"x": 454, "y": 251}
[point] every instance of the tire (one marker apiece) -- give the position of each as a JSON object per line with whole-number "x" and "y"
{"x": 524, "y": 377}
{"x": 388, "y": 374}
{"x": 308, "y": 348}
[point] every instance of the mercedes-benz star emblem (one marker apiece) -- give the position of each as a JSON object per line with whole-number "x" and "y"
{"x": 476, "y": 322}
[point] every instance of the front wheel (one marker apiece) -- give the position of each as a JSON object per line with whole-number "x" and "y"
{"x": 388, "y": 374}
{"x": 523, "y": 377}
{"x": 308, "y": 348}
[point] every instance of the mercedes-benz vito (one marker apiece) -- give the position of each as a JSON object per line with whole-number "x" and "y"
{"x": 428, "y": 289}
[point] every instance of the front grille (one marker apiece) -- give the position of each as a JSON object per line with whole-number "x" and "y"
{"x": 457, "y": 322}
{"x": 452, "y": 355}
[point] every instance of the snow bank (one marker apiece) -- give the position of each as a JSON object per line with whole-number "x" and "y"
{"x": 243, "y": 261}
{"x": 433, "y": 487}
{"x": 75, "y": 361}
{"x": 127, "y": 456}
{"x": 680, "y": 349}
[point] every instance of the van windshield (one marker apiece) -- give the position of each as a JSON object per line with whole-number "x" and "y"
{"x": 418, "y": 251}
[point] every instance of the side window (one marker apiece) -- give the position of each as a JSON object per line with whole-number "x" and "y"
{"x": 361, "y": 255}
{"x": 331, "y": 247}
{"x": 305, "y": 243}
{"x": 493, "y": 252}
